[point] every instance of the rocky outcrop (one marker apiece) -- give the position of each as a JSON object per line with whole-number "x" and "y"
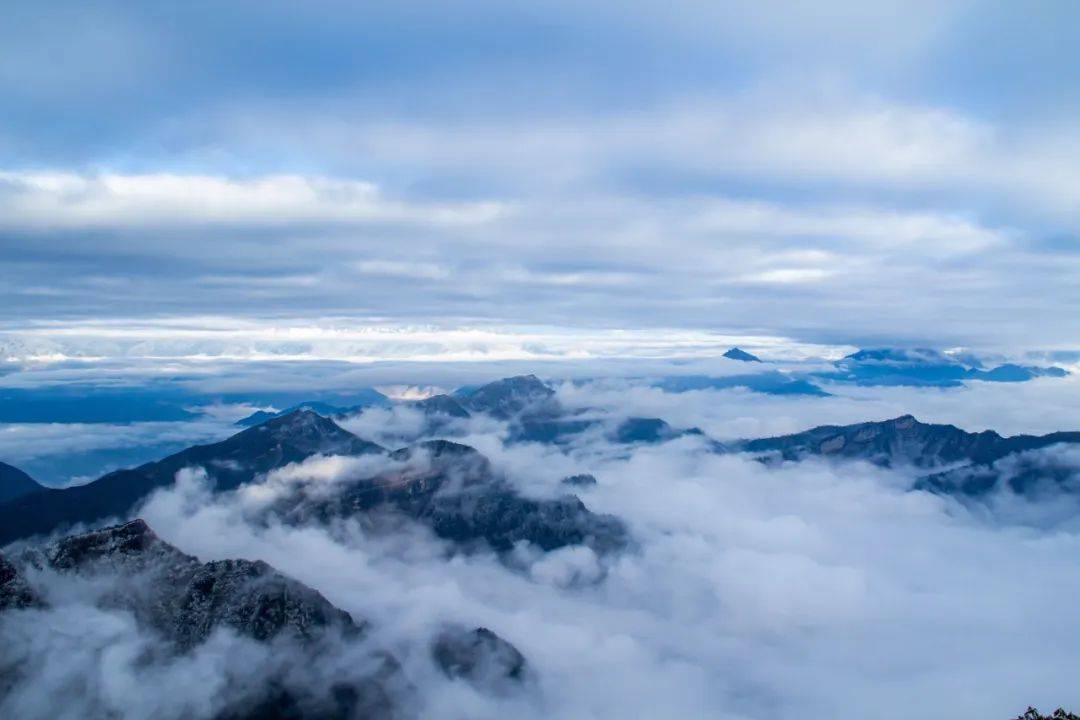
{"x": 186, "y": 600}
{"x": 230, "y": 463}
{"x": 183, "y": 601}
{"x": 479, "y": 657}
{"x": 509, "y": 397}
{"x": 15, "y": 592}
{"x": 1059, "y": 714}
{"x": 948, "y": 459}
{"x": 903, "y": 441}
{"x": 453, "y": 490}
{"x": 580, "y": 480}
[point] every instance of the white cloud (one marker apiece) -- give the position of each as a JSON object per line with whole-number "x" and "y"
{"x": 397, "y": 268}
{"x": 69, "y": 200}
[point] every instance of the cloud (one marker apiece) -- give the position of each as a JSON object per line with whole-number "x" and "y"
{"x": 805, "y": 590}
{"x": 57, "y": 200}
{"x": 429, "y": 271}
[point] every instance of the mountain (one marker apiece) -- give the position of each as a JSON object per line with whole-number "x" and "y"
{"x": 952, "y": 461}
{"x": 15, "y": 592}
{"x": 741, "y": 355}
{"x": 579, "y": 480}
{"x": 628, "y": 431}
{"x": 480, "y": 657}
{"x": 447, "y": 486}
{"x": 904, "y": 441}
{"x": 1041, "y": 471}
{"x": 770, "y": 383}
{"x": 549, "y": 431}
{"x": 508, "y": 397}
{"x": 1059, "y": 714}
{"x": 182, "y": 601}
{"x": 926, "y": 367}
{"x": 320, "y": 408}
{"x": 15, "y": 483}
{"x": 358, "y": 402}
{"x": 230, "y": 463}
{"x": 320, "y": 662}
{"x": 453, "y": 489}
{"x": 440, "y": 405}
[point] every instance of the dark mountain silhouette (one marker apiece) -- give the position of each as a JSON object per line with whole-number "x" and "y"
{"x": 15, "y": 592}
{"x": 479, "y": 657}
{"x": 580, "y": 480}
{"x": 904, "y": 440}
{"x": 926, "y": 367}
{"x": 741, "y": 355}
{"x": 770, "y": 383}
{"x": 1059, "y": 714}
{"x": 14, "y": 483}
{"x": 230, "y": 463}
{"x": 952, "y": 460}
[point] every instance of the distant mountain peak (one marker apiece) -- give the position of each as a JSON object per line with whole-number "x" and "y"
{"x": 509, "y": 396}
{"x": 440, "y": 405}
{"x": 741, "y": 355}
{"x": 14, "y": 483}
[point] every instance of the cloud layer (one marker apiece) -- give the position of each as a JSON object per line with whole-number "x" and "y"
{"x": 854, "y": 174}
{"x": 802, "y": 591}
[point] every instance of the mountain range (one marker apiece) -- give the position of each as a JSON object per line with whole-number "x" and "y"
{"x": 452, "y": 488}
{"x": 183, "y": 602}
{"x": 448, "y": 488}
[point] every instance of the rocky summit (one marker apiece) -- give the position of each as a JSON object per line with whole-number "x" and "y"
{"x": 508, "y": 397}
{"x": 947, "y": 459}
{"x": 186, "y": 600}
{"x": 453, "y": 489}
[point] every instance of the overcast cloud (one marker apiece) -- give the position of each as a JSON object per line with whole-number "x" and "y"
{"x": 818, "y": 173}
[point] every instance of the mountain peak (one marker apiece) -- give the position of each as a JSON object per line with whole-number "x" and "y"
{"x": 510, "y": 396}
{"x": 14, "y": 483}
{"x": 741, "y": 355}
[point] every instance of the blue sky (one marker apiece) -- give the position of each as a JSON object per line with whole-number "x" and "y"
{"x": 827, "y": 172}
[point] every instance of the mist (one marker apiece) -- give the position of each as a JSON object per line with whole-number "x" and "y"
{"x": 810, "y": 589}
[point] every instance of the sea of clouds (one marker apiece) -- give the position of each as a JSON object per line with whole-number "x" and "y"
{"x": 805, "y": 590}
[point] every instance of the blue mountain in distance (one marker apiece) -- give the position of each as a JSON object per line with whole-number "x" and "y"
{"x": 232, "y": 462}
{"x": 508, "y": 397}
{"x": 440, "y": 405}
{"x": 948, "y": 459}
{"x": 260, "y": 416}
{"x": 14, "y": 483}
{"x": 364, "y": 399}
{"x": 926, "y": 367}
{"x": 772, "y": 382}
{"x": 741, "y": 355}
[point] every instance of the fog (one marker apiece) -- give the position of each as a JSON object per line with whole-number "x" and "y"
{"x": 808, "y": 590}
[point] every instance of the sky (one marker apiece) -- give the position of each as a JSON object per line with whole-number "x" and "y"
{"x": 192, "y": 179}
{"x": 231, "y": 204}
